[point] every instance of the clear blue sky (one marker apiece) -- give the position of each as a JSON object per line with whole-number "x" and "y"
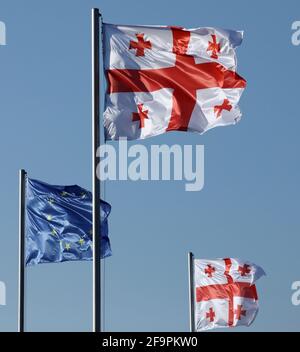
{"x": 249, "y": 207}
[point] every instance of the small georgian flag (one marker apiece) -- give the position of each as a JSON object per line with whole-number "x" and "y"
{"x": 225, "y": 293}
{"x": 162, "y": 79}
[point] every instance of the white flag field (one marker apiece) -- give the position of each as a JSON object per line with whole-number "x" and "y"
{"x": 225, "y": 293}
{"x": 162, "y": 79}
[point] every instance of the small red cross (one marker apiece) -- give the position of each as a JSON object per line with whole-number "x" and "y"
{"x": 141, "y": 115}
{"x": 210, "y": 315}
{"x": 214, "y": 47}
{"x": 140, "y": 45}
{"x": 209, "y": 270}
{"x": 225, "y": 106}
{"x": 245, "y": 270}
{"x": 239, "y": 312}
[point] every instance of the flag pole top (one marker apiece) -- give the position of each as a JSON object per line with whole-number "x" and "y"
{"x": 96, "y": 11}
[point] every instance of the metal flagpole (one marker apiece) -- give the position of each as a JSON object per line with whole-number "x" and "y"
{"x": 22, "y": 188}
{"x": 96, "y": 182}
{"x": 191, "y": 291}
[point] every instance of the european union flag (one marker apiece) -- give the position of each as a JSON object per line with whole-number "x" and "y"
{"x": 59, "y": 224}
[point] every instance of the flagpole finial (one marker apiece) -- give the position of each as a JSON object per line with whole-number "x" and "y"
{"x": 96, "y": 11}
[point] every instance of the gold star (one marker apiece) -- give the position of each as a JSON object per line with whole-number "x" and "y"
{"x": 81, "y": 241}
{"x": 49, "y": 217}
{"x": 51, "y": 201}
{"x": 67, "y": 246}
{"x": 54, "y": 232}
{"x": 64, "y": 193}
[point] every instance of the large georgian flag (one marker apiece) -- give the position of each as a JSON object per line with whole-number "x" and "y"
{"x": 225, "y": 293}
{"x": 163, "y": 79}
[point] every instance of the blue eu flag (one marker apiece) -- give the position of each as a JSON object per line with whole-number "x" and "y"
{"x": 59, "y": 224}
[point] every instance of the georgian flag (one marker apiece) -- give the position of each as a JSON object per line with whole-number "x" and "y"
{"x": 163, "y": 79}
{"x": 225, "y": 293}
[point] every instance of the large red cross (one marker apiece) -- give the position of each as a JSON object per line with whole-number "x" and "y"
{"x": 184, "y": 78}
{"x": 227, "y": 291}
{"x": 141, "y": 115}
{"x": 140, "y": 45}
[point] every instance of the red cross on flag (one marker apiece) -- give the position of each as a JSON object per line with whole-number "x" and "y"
{"x": 185, "y": 79}
{"x": 225, "y": 293}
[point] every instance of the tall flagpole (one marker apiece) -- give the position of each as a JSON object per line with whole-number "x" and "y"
{"x": 96, "y": 182}
{"x": 191, "y": 291}
{"x": 21, "y": 298}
